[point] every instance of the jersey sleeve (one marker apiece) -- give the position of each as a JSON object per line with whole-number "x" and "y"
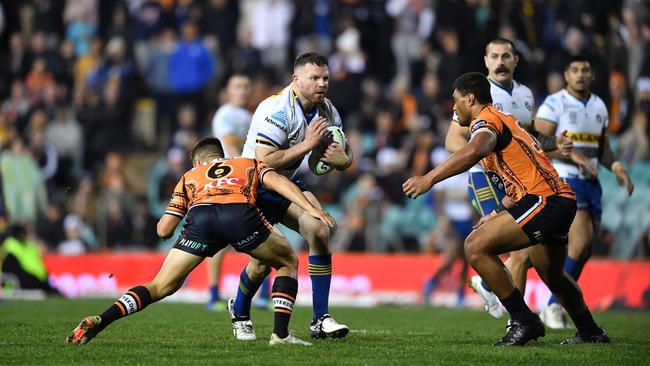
{"x": 483, "y": 125}
{"x": 336, "y": 117}
{"x": 272, "y": 129}
{"x": 179, "y": 203}
{"x": 262, "y": 169}
{"x": 221, "y": 126}
{"x": 549, "y": 110}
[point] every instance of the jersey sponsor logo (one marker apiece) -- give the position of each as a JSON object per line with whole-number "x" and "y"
{"x": 129, "y": 303}
{"x": 276, "y": 124}
{"x": 584, "y": 137}
{"x": 498, "y": 106}
{"x": 220, "y": 182}
{"x": 192, "y": 244}
{"x": 496, "y": 180}
{"x": 479, "y": 124}
{"x": 528, "y": 106}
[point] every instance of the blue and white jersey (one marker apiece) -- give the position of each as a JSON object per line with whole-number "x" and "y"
{"x": 456, "y": 204}
{"x": 518, "y": 101}
{"x": 231, "y": 120}
{"x": 280, "y": 123}
{"x": 583, "y": 120}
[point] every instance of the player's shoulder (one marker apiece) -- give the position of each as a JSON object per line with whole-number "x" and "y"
{"x": 521, "y": 89}
{"x": 555, "y": 99}
{"x": 598, "y": 101}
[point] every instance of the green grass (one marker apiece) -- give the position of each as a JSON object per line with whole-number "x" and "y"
{"x": 33, "y": 332}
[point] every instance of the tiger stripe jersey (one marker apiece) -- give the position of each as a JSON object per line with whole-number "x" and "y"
{"x": 220, "y": 181}
{"x": 517, "y": 157}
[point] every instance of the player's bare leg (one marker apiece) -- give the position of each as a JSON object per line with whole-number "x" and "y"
{"x": 581, "y": 237}
{"x": 169, "y": 279}
{"x": 317, "y": 234}
{"x": 482, "y": 247}
{"x": 549, "y": 263}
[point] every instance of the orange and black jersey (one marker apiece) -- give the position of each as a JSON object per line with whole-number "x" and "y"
{"x": 220, "y": 181}
{"x": 517, "y": 157}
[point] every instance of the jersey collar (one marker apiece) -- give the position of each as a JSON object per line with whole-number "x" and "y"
{"x": 308, "y": 116}
{"x": 500, "y": 86}
{"x": 583, "y": 101}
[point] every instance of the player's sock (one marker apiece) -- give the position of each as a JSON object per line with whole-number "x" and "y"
{"x": 585, "y": 323}
{"x": 320, "y": 272}
{"x": 214, "y": 293}
{"x": 517, "y": 307}
{"x": 284, "y": 295}
{"x": 485, "y": 286}
{"x": 245, "y": 292}
{"x": 264, "y": 289}
{"x": 572, "y": 268}
{"x": 130, "y": 302}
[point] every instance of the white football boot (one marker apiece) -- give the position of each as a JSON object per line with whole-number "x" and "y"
{"x": 491, "y": 301}
{"x": 326, "y": 326}
{"x": 242, "y": 329}
{"x": 290, "y": 339}
{"x": 553, "y": 316}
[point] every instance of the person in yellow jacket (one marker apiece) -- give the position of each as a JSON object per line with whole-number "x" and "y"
{"x": 22, "y": 258}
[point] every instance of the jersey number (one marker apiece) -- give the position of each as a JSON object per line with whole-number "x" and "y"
{"x": 219, "y": 170}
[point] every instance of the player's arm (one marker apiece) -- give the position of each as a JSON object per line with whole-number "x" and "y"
{"x": 457, "y": 137}
{"x": 280, "y": 184}
{"x": 607, "y": 158}
{"x": 479, "y": 146}
{"x": 167, "y": 225}
{"x": 555, "y": 147}
{"x": 283, "y": 158}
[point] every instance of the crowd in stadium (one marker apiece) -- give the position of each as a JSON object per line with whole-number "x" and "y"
{"x": 102, "y": 100}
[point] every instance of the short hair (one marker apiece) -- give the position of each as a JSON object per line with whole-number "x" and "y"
{"x": 501, "y": 41}
{"x": 310, "y": 58}
{"x": 578, "y": 58}
{"x": 475, "y": 83}
{"x": 205, "y": 148}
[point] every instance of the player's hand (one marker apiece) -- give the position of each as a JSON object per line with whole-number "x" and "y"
{"x": 335, "y": 156}
{"x": 586, "y": 166}
{"x": 564, "y": 144}
{"x": 623, "y": 178}
{"x": 315, "y": 132}
{"x": 416, "y": 186}
{"x": 323, "y": 216}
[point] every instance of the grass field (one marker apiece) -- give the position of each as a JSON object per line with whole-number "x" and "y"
{"x": 33, "y": 332}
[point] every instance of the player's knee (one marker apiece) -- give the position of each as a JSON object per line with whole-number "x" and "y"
{"x": 318, "y": 233}
{"x": 257, "y": 270}
{"x": 474, "y": 248}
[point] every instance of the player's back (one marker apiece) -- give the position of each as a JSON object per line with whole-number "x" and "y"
{"x": 220, "y": 181}
{"x": 517, "y": 157}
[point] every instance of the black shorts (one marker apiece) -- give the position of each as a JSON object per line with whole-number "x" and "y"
{"x": 545, "y": 220}
{"x": 210, "y": 228}
{"x": 273, "y": 205}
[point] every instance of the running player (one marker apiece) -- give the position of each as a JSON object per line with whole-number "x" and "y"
{"x": 543, "y": 207}
{"x": 486, "y": 192}
{"x": 584, "y": 115}
{"x": 230, "y": 125}
{"x": 285, "y": 128}
{"x": 218, "y": 197}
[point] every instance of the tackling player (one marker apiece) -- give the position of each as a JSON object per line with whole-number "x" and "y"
{"x": 218, "y": 197}
{"x": 286, "y": 127}
{"x": 485, "y": 189}
{"x": 584, "y": 115}
{"x": 543, "y": 207}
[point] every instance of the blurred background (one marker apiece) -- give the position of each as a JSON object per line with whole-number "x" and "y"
{"x": 101, "y": 100}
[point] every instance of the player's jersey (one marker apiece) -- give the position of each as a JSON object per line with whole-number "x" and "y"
{"x": 584, "y": 122}
{"x": 231, "y": 120}
{"x": 220, "y": 181}
{"x": 518, "y": 101}
{"x": 279, "y": 123}
{"x": 517, "y": 157}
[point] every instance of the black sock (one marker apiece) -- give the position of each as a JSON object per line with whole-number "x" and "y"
{"x": 130, "y": 302}
{"x": 585, "y": 323}
{"x": 284, "y": 295}
{"x": 517, "y": 307}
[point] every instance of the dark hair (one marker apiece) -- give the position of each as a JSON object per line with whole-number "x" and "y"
{"x": 207, "y": 147}
{"x": 501, "y": 41}
{"x": 578, "y": 58}
{"x": 310, "y": 58}
{"x": 475, "y": 83}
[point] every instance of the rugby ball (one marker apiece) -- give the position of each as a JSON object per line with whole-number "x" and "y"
{"x": 333, "y": 134}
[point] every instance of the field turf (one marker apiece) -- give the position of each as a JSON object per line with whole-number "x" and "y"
{"x": 33, "y": 332}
